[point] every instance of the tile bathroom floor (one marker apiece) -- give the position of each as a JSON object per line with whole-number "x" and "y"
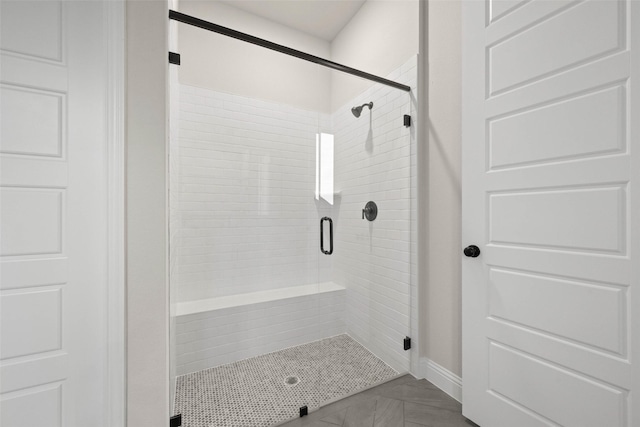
{"x": 256, "y": 392}
{"x": 402, "y": 402}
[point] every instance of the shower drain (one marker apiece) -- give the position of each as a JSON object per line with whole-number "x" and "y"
{"x": 291, "y": 381}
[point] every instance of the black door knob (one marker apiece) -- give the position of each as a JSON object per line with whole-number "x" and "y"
{"x": 472, "y": 251}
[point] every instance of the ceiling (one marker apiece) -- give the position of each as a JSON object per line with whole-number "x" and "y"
{"x": 320, "y": 18}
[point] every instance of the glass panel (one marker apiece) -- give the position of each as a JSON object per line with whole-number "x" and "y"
{"x": 373, "y": 168}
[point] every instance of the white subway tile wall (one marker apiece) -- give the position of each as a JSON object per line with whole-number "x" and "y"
{"x": 249, "y": 222}
{"x": 246, "y": 195}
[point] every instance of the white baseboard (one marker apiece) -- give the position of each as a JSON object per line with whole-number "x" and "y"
{"x": 442, "y": 378}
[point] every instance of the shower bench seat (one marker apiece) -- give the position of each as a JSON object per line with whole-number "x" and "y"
{"x": 205, "y": 305}
{"x": 223, "y": 330}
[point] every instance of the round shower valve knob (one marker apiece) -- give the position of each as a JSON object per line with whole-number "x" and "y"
{"x": 370, "y": 211}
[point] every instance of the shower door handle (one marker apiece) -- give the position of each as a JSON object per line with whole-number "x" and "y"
{"x": 330, "y": 251}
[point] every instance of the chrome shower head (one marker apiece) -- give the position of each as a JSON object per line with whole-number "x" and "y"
{"x": 357, "y": 110}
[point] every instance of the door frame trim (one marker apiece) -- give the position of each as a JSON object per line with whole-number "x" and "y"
{"x": 115, "y": 393}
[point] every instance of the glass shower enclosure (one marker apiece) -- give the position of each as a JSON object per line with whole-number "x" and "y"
{"x": 291, "y": 234}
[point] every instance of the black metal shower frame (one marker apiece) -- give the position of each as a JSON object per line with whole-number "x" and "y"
{"x": 210, "y": 26}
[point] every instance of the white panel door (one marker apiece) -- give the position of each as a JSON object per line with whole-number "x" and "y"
{"x": 551, "y": 134}
{"x": 52, "y": 214}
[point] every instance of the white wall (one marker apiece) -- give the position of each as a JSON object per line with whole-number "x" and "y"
{"x": 440, "y": 299}
{"x": 248, "y": 220}
{"x": 381, "y": 37}
{"x": 146, "y": 222}
{"x": 224, "y": 64}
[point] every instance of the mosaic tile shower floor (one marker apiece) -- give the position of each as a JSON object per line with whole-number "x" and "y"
{"x": 253, "y": 392}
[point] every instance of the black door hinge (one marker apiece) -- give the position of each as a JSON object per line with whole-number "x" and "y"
{"x": 304, "y": 411}
{"x": 407, "y": 343}
{"x": 174, "y": 58}
{"x": 407, "y": 120}
{"x": 175, "y": 421}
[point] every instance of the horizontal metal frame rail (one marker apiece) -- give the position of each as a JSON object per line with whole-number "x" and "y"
{"x": 210, "y": 26}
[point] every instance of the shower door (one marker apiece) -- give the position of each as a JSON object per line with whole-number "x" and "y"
{"x": 251, "y": 295}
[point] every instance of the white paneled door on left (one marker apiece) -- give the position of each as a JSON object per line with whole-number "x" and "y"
{"x": 53, "y": 256}
{"x": 551, "y": 134}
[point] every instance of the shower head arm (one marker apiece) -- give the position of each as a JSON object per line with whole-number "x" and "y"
{"x": 357, "y": 110}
